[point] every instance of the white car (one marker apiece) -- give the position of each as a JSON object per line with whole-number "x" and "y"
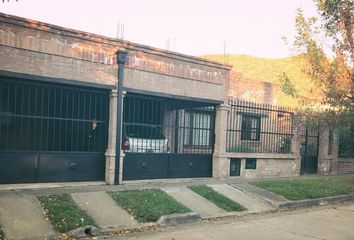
{"x": 140, "y": 138}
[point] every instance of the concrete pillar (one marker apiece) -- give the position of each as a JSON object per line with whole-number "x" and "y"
{"x": 112, "y": 137}
{"x": 327, "y": 160}
{"x": 221, "y": 164}
{"x": 295, "y": 145}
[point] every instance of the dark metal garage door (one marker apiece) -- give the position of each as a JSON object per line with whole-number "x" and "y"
{"x": 51, "y": 132}
{"x": 167, "y": 138}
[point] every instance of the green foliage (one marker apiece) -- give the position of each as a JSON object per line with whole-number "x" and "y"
{"x": 301, "y": 189}
{"x": 287, "y": 86}
{"x": 338, "y": 20}
{"x": 333, "y": 77}
{"x": 64, "y": 214}
{"x": 147, "y": 205}
{"x": 217, "y": 198}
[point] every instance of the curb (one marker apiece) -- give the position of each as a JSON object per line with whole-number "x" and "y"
{"x": 85, "y": 231}
{"x": 314, "y": 202}
{"x": 175, "y": 219}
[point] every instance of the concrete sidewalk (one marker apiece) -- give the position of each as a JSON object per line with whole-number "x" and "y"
{"x": 103, "y": 210}
{"x": 194, "y": 202}
{"x": 21, "y": 215}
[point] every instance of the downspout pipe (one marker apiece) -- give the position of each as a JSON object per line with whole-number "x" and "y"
{"x": 121, "y": 60}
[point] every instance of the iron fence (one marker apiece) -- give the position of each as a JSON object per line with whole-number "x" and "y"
{"x": 258, "y": 128}
{"x": 38, "y": 116}
{"x": 159, "y": 125}
{"x": 346, "y": 143}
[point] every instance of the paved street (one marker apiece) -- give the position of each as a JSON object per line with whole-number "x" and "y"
{"x": 331, "y": 222}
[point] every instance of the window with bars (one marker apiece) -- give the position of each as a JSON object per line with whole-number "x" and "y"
{"x": 250, "y": 127}
{"x": 197, "y": 129}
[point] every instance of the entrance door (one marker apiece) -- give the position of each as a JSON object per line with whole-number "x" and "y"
{"x": 167, "y": 138}
{"x": 309, "y": 151}
{"x": 51, "y": 132}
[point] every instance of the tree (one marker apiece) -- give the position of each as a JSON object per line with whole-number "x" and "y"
{"x": 332, "y": 100}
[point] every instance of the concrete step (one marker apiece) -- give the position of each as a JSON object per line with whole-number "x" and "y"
{"x": 251, "y": 203}
{"x": 22, "y": 217}
{"x": 103, "y": 209}
{"x": 194, "y": 202}
{"x": 269, "y": 197}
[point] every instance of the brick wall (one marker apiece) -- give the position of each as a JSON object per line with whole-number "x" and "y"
{"x": 253, "y": 90}
{"x": 344, "y": 166}
{"x": 41, "y": 49}
{"x": 267, "y": 168}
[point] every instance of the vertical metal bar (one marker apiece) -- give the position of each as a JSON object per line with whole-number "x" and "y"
{"x": 7, "y": 110}
{"x": 99, "y": 128}
{"x": 84, "y": 122}
{"x": 35, "y": 137}
{"x": 228, "y": 130}
{"x": 15, "y": 118}
{"x": 42, "y": 114}
{"x": 121, "y": 60}
{"x": 101, "y": 135}
{"x": 270, "y": 139}
{"x": 305, "y": 152}
{"x": 90, "y": 129}
{"x": 60, "y": 142}
{"x": 28, "y": 119}
{"x": 48, "y": 120}
{"x": 54, "y": 120}
{"x": 66, "y": 121}
{"x": 177, "y": 131}
{"x": 78, "y": 122}
{"x": 236, "y": 125}
{"x": 1, "y": 107}
{"x": 72, "y": 122}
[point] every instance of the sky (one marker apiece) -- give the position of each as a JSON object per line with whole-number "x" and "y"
{"x": 194, "y": 27}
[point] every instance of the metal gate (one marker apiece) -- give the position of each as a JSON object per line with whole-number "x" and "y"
{"x": 309, "y": 150}
{"x": 167, "y": 138}
{"x": 51, "y": 132}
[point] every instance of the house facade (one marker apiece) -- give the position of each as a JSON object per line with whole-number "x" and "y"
{"x": 60, "y": 113}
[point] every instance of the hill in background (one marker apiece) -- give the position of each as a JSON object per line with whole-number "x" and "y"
{"x": 270, "y": 70}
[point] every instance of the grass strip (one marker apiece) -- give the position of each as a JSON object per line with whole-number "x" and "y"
{"x": 217, "y": 198}
{"x": 301, "y": 189}
{"x": 63, "y": 212}
{"x": 147, "y": 205}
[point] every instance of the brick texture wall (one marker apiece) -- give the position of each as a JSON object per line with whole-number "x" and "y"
{"x": 269, "y": 168}
{"x": 41, "y": 49}
{"x": 344, "y": 166}
{"x": 253, "y": 90}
